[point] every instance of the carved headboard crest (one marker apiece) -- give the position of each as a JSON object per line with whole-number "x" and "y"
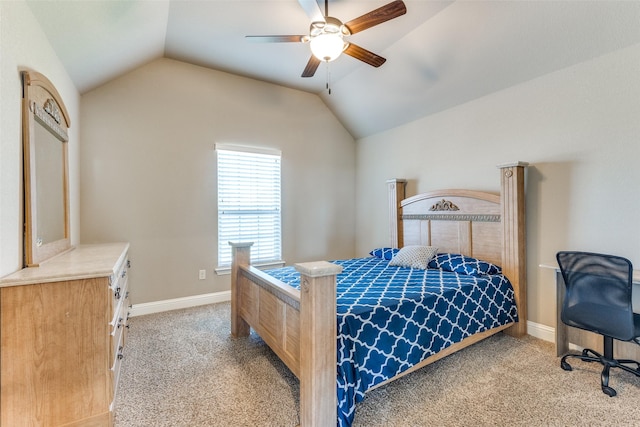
{"x": 444, "y": 205}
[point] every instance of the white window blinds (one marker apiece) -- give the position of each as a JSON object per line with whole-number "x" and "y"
{"x": 249, "y": 204}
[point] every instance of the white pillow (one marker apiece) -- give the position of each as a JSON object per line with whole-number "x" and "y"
{"x": 414, "y": 256}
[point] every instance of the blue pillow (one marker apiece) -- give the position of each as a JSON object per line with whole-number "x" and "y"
{"x": 384, "y": 253}
{"x": 463, "y": 264}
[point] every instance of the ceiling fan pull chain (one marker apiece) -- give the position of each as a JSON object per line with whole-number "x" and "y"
{"x": 328, "y": 78}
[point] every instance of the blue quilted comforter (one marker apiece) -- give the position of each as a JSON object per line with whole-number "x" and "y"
{"x": 391, "y": 318}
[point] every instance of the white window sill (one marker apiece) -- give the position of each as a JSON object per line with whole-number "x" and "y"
{"x": 220, "y": 271}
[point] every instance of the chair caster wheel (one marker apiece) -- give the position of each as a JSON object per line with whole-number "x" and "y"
{"x": 608, "y": 391}
{"x": 564, "y": 365}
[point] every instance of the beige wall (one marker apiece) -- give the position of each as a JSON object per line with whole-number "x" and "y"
{"x": 580, "y": 130}
{"x": 23, "y": 45}
{"x": 148, "y": 171}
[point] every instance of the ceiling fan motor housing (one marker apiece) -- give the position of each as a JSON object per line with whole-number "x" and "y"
{"x": 330, "y": 25}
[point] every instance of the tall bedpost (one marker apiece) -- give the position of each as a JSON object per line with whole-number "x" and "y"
{"x": 240, "y": 255}
{"x": 396, "y": 189}
{"x": 513, "y": 235}
{"x": 318, "y": 332}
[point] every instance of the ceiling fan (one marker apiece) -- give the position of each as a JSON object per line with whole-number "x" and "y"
{"x": 328, "y": 35}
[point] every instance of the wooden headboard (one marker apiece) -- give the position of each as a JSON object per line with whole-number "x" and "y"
{"x": 483, "y": 225}
{"x": 457, "y": 221}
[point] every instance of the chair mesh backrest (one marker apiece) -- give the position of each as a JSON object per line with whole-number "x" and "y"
{"x": 598, "y": 293}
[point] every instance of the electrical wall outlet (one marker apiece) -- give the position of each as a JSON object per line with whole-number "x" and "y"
{"x": 202, "y": 274}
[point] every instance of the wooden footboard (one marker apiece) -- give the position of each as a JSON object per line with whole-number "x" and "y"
{"x": 298, "y": 325}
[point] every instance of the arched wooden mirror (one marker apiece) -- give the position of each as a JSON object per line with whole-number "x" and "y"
{"x": 45, "y": 122}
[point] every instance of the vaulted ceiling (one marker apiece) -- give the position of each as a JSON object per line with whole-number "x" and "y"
{"x": 439, "y": 54}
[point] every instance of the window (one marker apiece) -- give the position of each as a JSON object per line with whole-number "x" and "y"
{"x": 249, "y": 203}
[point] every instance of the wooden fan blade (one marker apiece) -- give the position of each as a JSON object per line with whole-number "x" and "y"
{"x": 312, "y": 10}
{"x": 364, "y": 55}
{"x": 311, "y": 67}
{"x": 377, "y": 16}
{"x": 275, "y": 39}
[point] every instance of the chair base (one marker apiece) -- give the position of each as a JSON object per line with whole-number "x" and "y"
{"x": 606, "y": 360}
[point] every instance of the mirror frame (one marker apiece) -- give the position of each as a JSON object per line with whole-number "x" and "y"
{"x": 41, "y": 102}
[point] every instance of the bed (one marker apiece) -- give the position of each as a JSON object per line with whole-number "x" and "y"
{"x": 343, "y": 333}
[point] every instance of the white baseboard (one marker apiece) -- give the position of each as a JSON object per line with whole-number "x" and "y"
{"x": 537, "y": 330}
{"x": 543, "y": 332}
{"x": 178, "y": 303}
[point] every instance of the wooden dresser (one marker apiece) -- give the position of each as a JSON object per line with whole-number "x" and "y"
{"x": 63, "y": 330}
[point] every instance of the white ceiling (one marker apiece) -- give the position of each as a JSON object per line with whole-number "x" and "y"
{"x": 440, "y": 54}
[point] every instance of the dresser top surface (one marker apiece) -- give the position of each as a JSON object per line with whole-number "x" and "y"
{"x": 82, "y": 262}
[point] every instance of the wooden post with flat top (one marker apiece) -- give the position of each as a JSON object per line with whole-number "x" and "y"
{"x": 318, "y": 343}
{"x": 396, "y": 188}
{"x": 241, "y": 256}
{"x": 513, "y": 237}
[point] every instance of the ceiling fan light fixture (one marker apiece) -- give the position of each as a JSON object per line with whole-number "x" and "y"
{"x": 327, "y": 47}
{"x": 328, "y": 36}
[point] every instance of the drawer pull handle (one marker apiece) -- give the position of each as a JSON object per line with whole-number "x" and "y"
{"x": 128, "y": 263}
{"x": 120, "y": 319}
{"x": 117, "y": 293}
{"x": 120, "y": 355}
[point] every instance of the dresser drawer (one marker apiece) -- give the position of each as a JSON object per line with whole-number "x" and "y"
{"x": 118, "y": 351}
{"x": 119, "y": 322}
{"x": 126, "y": 313}
{"x": 115, "y": 369}
{"x": 118, "y": 283}
{"x": 120, "y": 307}
{"x": 117, "y": 340}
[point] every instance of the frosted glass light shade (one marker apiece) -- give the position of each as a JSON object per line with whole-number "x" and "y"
{"x": 327, "y": 47}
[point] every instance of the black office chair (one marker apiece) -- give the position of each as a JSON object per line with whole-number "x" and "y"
{"x": 598, "y": 299}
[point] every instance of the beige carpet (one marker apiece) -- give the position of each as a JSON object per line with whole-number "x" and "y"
{"x": 182, "y": 368}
